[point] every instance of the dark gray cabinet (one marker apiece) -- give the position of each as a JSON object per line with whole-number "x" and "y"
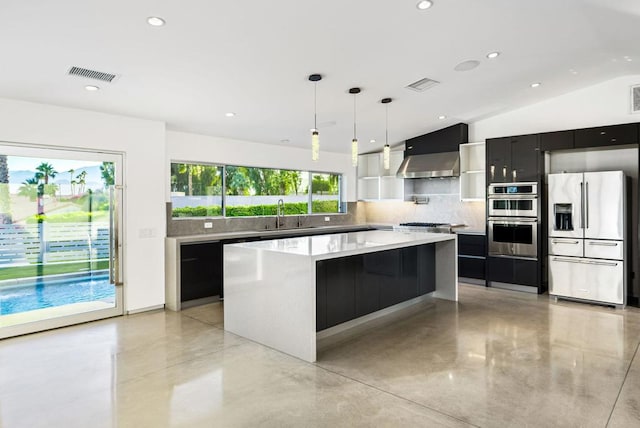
{"x": 350, "y": 287}
{"x": 200, "y": 270}
{"x": 607, "y": 136}
{"x": 513, "y": 159}
{"x": 560, "y": 140}
{"x": 514, "y": 271}
{"x": 472, "y": 254}
{"x": 443, "y": 140}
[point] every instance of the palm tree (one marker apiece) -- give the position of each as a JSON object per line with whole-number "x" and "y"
{"x": 81, "y": 181}
{"x": 29, "y": 188}
{"x": 46, "y": 170}
{"x": 5, "y": 201}
{"x": 72, "y": 183}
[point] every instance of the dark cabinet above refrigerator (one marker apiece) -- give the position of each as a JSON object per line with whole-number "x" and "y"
{"x": 513, "y": 159}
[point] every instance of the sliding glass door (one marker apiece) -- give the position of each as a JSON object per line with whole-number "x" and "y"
{"x": 60, "y": 237}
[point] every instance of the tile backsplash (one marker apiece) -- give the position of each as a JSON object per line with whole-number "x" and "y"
{"x": 443, "y": 205}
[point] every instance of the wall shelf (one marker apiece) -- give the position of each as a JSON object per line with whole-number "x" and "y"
{"x": 472, "y": 172}
{"x": 376, "y": 183}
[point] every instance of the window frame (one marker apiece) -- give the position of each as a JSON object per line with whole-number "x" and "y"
{"x": 309, "y": 173}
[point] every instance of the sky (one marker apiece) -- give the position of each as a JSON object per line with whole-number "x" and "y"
{"x": 17, "y": 163}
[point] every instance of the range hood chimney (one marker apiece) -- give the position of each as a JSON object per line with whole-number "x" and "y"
{"x": 445, "y": 164}
{"x": 435, "y": 154}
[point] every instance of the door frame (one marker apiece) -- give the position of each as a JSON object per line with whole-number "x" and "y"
{"x": 73, "y": 153}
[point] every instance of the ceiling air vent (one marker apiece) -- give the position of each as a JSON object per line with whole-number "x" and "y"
{"x": 635, "y": 99}
{"x": 91, "y": 74}
{"x": 422, "y": 85}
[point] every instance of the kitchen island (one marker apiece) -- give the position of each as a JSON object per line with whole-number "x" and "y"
{"x": 282, "y": 292}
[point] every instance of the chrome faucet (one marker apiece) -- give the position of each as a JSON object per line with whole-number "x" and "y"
{"x": 279, "y": 213}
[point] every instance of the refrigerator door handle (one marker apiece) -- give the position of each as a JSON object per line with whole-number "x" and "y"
{"x": 581, "y": 205}
{"x": 604, "y": 244}
{"x": 586, "y": 203}
{"x": 557, "y": 259}
{"x": 604, "y": 263}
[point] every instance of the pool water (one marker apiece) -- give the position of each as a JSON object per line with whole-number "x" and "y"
{"x": 59, "y": 292}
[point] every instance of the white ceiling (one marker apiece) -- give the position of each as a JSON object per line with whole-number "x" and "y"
{"x": 253, "y": 58}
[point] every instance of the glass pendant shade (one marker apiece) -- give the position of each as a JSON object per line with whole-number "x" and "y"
{"x": 315, "y": 145}
{"x": 354, "y": 152}
{"x": 386, "y": 154}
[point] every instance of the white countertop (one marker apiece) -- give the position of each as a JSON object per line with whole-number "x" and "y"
{"x": 345, "y": 244}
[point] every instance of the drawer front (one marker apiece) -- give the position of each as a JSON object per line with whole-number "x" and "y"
{"x": 601, "y": 249}
{"x": 589, "y": 279}
{"x": 471, "y": 267}
{"x": 566, "y": 247}
{"x": 472, "y": 245}
{"x": 567, "y": 278}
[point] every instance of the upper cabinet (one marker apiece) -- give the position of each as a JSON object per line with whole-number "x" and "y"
{"x": 443, "y": 140}
{"x": 377, "y": 183}
{"x": 472, "y": 172}
{"x": 600, "y": 136}
{"x": 513, "y": 159}
{"x": 606, "y": 136}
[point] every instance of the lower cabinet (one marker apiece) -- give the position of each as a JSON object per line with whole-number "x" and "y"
{"x": 472, "y": 256}
{"x": 350, "y": 287}
{"x": 200, "y": 270}
{"x": 514, "y": 271}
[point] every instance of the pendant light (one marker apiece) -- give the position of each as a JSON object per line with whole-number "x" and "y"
{"x": 354, "y": 142}
{"x": 315, "y": 136}
{"x": 386, "y": 152}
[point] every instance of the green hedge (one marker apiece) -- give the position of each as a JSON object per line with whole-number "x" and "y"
{"x": 71, "y": 217}
{"x": 298, "y": 208}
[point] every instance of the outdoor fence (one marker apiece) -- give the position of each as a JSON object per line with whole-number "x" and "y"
{"x": 22, "y": 244}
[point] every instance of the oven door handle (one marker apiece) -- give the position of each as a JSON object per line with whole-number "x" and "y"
{"x": 513, "y": 220}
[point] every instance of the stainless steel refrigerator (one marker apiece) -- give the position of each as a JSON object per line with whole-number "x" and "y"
{"x": 587, "y": 231}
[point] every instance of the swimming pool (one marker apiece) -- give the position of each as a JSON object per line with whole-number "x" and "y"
{"x": 48, "y": 293}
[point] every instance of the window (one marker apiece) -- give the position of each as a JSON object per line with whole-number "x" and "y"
{"x": 199, "y": 191}
{"x": 325, "y": 196}
{"x": 196, "y": 190}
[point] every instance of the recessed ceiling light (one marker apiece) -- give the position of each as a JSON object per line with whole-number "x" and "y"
{"x": 156, "y": 21}
{"x": 442, "y": 117}
{"x": 372, "y": 141}
{"x": 230, "y": 114}
{"x": 572, "y": 71}
{"x": 424, "y": 4}
{"x": 536, "y": 84}
{"x": 467, "y": 65}
{"x": 92, "y": 88}
{"x": 492, "y": 55}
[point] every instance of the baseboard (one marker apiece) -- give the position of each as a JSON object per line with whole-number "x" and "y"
{"x": 147, "y": 309}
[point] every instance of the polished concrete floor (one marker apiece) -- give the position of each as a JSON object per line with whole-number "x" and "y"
{"x": 495, "y": 359}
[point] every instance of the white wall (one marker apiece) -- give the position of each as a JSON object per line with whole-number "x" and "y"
{"x": 606, "y": 103}
{"x": 182, "y": 146}
{"x": 143, "y": 144}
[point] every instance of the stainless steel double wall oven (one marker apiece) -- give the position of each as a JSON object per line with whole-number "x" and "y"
{"x": 513, "y": 220}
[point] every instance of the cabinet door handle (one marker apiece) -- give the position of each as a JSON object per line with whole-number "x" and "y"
{"x": 604, "y": 244}
{"x": 514, "y": 173}
{"x": 565, "y": 242}
{"x": 504, "y": 171}
{"x": 493, "y": 172}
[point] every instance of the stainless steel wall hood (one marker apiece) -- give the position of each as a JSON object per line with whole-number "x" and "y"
{"x": 446, "y": 164}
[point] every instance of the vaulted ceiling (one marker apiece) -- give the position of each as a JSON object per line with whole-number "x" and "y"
{"x": 253, "y": 58}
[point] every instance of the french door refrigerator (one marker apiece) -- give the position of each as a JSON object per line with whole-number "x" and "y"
{"x": 587, "y": 230}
